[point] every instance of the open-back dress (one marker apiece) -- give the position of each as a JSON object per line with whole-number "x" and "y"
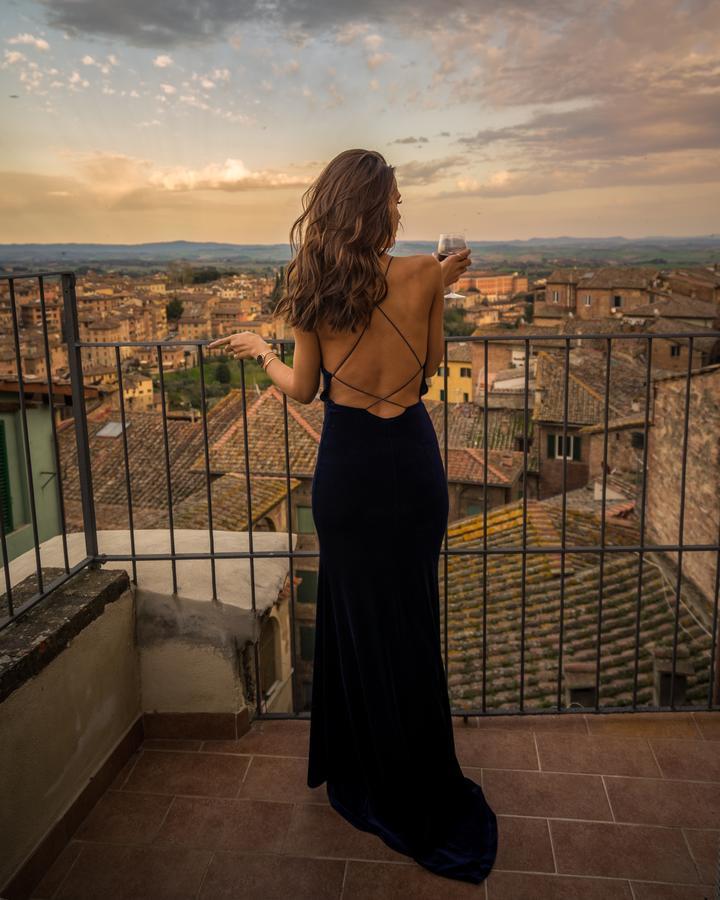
{"x": 381, "y": 732}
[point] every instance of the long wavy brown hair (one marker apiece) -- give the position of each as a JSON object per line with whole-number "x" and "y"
{"x": 335, "y": 276}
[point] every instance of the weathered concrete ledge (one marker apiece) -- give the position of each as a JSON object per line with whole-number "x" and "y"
{"x": 40, "y": 635}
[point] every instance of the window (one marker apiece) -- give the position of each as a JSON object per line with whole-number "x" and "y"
{"x": 441, "y": 370}
{"x": 588, "y": 299}
{"x": 617, "y": 301}
{"x": 442, "y": 394}
{"x": 306, "y": 591}
{"x": 556, "y": 296}
{"x": 466, "y": 397}
{"x": 675, "y": 350}
{"x": 307, "y": 642}
{"x": 5, "y": 495}
{"x": 637, "y": 440}
{"x": 473, "y": 509}
{"x": 465, "y": 372}
{"x": 305, "y": 521}
{"x": 582, "y": 696}
{"x": 662, "y": 689}
{"x": 555, "y": 446}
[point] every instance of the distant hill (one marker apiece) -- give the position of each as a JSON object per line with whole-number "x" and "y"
{"x": 549, "y": 251}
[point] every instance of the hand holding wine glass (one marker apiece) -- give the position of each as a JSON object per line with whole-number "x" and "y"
{"x": 453, "y": 247}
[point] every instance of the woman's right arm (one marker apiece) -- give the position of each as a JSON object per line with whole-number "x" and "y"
{"x": 433, "y": 276}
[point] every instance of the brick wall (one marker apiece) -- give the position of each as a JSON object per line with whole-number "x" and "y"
{"x": 601, "y": 301}
{"x": 702, "y": 487}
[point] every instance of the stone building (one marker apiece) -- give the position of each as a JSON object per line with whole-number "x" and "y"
{"x": 586, "y": 404}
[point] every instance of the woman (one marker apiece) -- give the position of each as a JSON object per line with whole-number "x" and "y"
{"x": 381, "y": 730}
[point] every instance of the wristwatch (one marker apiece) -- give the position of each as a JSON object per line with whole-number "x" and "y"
{"x": 260, "y": 358}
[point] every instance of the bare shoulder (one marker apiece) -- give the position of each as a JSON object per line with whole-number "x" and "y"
{"x": 422, "y": 264}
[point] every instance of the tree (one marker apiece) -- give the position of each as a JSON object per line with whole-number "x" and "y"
{"x": 222, "y": 373}
{"x": 174, "y": 309}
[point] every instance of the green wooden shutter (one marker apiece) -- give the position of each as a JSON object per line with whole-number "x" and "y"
{"x": 576, "y": 448}
{"x": 5, "y": 495}
{"x": 551, "y": 446}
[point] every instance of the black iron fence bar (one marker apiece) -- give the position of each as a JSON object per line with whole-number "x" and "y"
{"x": 53, "y": 426}
{"x": 251, "y": 553}
{"x": 288, "y": 495}
{"x": 510, "y": 711}
{"x": 168, "y": 478}
{"x": 446, "y": 588}
{"x": 631, "y": 335}
{"x": 643, "y": 497}
{"x": 26, "y": 436}
{"x": 509, "y": 550}
{"x": 208, "y": 482}
{"x": 79, "y": 416}
{"x": 601, "y": 567}
{"x": 523, "y": 561}
{"x": 126, "y": 459}
{"x": 714, "y": 673}
{"x": 681, "y": 524}
{"x": 485, "y": 525}
{"x": 17, "y": 276}
{"x": 563, "y": 531}
{"x": 6, "y": 559}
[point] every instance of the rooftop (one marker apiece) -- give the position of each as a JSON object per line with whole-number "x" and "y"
{"x": 586, "y": 386}
{"x": 541, "y": 583}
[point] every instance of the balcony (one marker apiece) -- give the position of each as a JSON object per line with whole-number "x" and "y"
{"x": 156, "y": 630}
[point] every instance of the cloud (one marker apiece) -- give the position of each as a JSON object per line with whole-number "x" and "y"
{"x": 410, "y": 140}
{"x": 336, "y": 98}
{"x": 349, "y": 33}
{"x": 373, "y": 41}
{"x": 151, "y": 23}
{"x": 377, "y": 59}
{"x": 675, "y": 169}
{"x": 162, "y": 61}
{"x": 12, "y": 57}
{"x": 30, "y": 40}
{"x": 291, "y": 67}
{"x": 427, "y": 172}
{"x": 118, "y": 175}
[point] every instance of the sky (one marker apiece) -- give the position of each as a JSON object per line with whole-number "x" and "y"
{"x": 148, "y": 120}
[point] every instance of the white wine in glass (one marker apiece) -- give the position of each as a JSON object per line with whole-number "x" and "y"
{"x": 452, "y": 242}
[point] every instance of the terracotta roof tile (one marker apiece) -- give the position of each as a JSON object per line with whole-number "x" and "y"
{"x": 542, "y": 586}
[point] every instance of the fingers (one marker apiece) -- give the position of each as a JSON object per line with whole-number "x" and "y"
{"x": 218, "y": 342}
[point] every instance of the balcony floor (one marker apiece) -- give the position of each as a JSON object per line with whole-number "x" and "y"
{"x": 589, "y": 806}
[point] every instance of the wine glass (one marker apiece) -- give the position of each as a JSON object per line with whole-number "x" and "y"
{"x": 451, "y": 242}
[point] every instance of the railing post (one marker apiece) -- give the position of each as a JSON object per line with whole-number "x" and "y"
{"x": 71, "y": 336}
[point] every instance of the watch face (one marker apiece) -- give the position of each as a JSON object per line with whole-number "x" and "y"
{"x": 259, "y": 358}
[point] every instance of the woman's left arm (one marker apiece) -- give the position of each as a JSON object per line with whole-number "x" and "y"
{"x": 299, "y": 381}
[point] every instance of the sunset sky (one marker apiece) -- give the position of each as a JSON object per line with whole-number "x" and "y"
{"x": 149, "y": 120}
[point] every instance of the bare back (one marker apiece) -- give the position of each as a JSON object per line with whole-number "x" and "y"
{"x": 381, "y": 368}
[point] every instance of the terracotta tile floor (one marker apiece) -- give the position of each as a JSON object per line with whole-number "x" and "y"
{"x": 589, "y": 807}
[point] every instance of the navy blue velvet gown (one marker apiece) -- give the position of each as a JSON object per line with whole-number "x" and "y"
{"x": 381, "y": 733}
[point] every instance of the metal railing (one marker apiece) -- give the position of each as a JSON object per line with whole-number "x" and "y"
{"x": 94, "y": 558}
